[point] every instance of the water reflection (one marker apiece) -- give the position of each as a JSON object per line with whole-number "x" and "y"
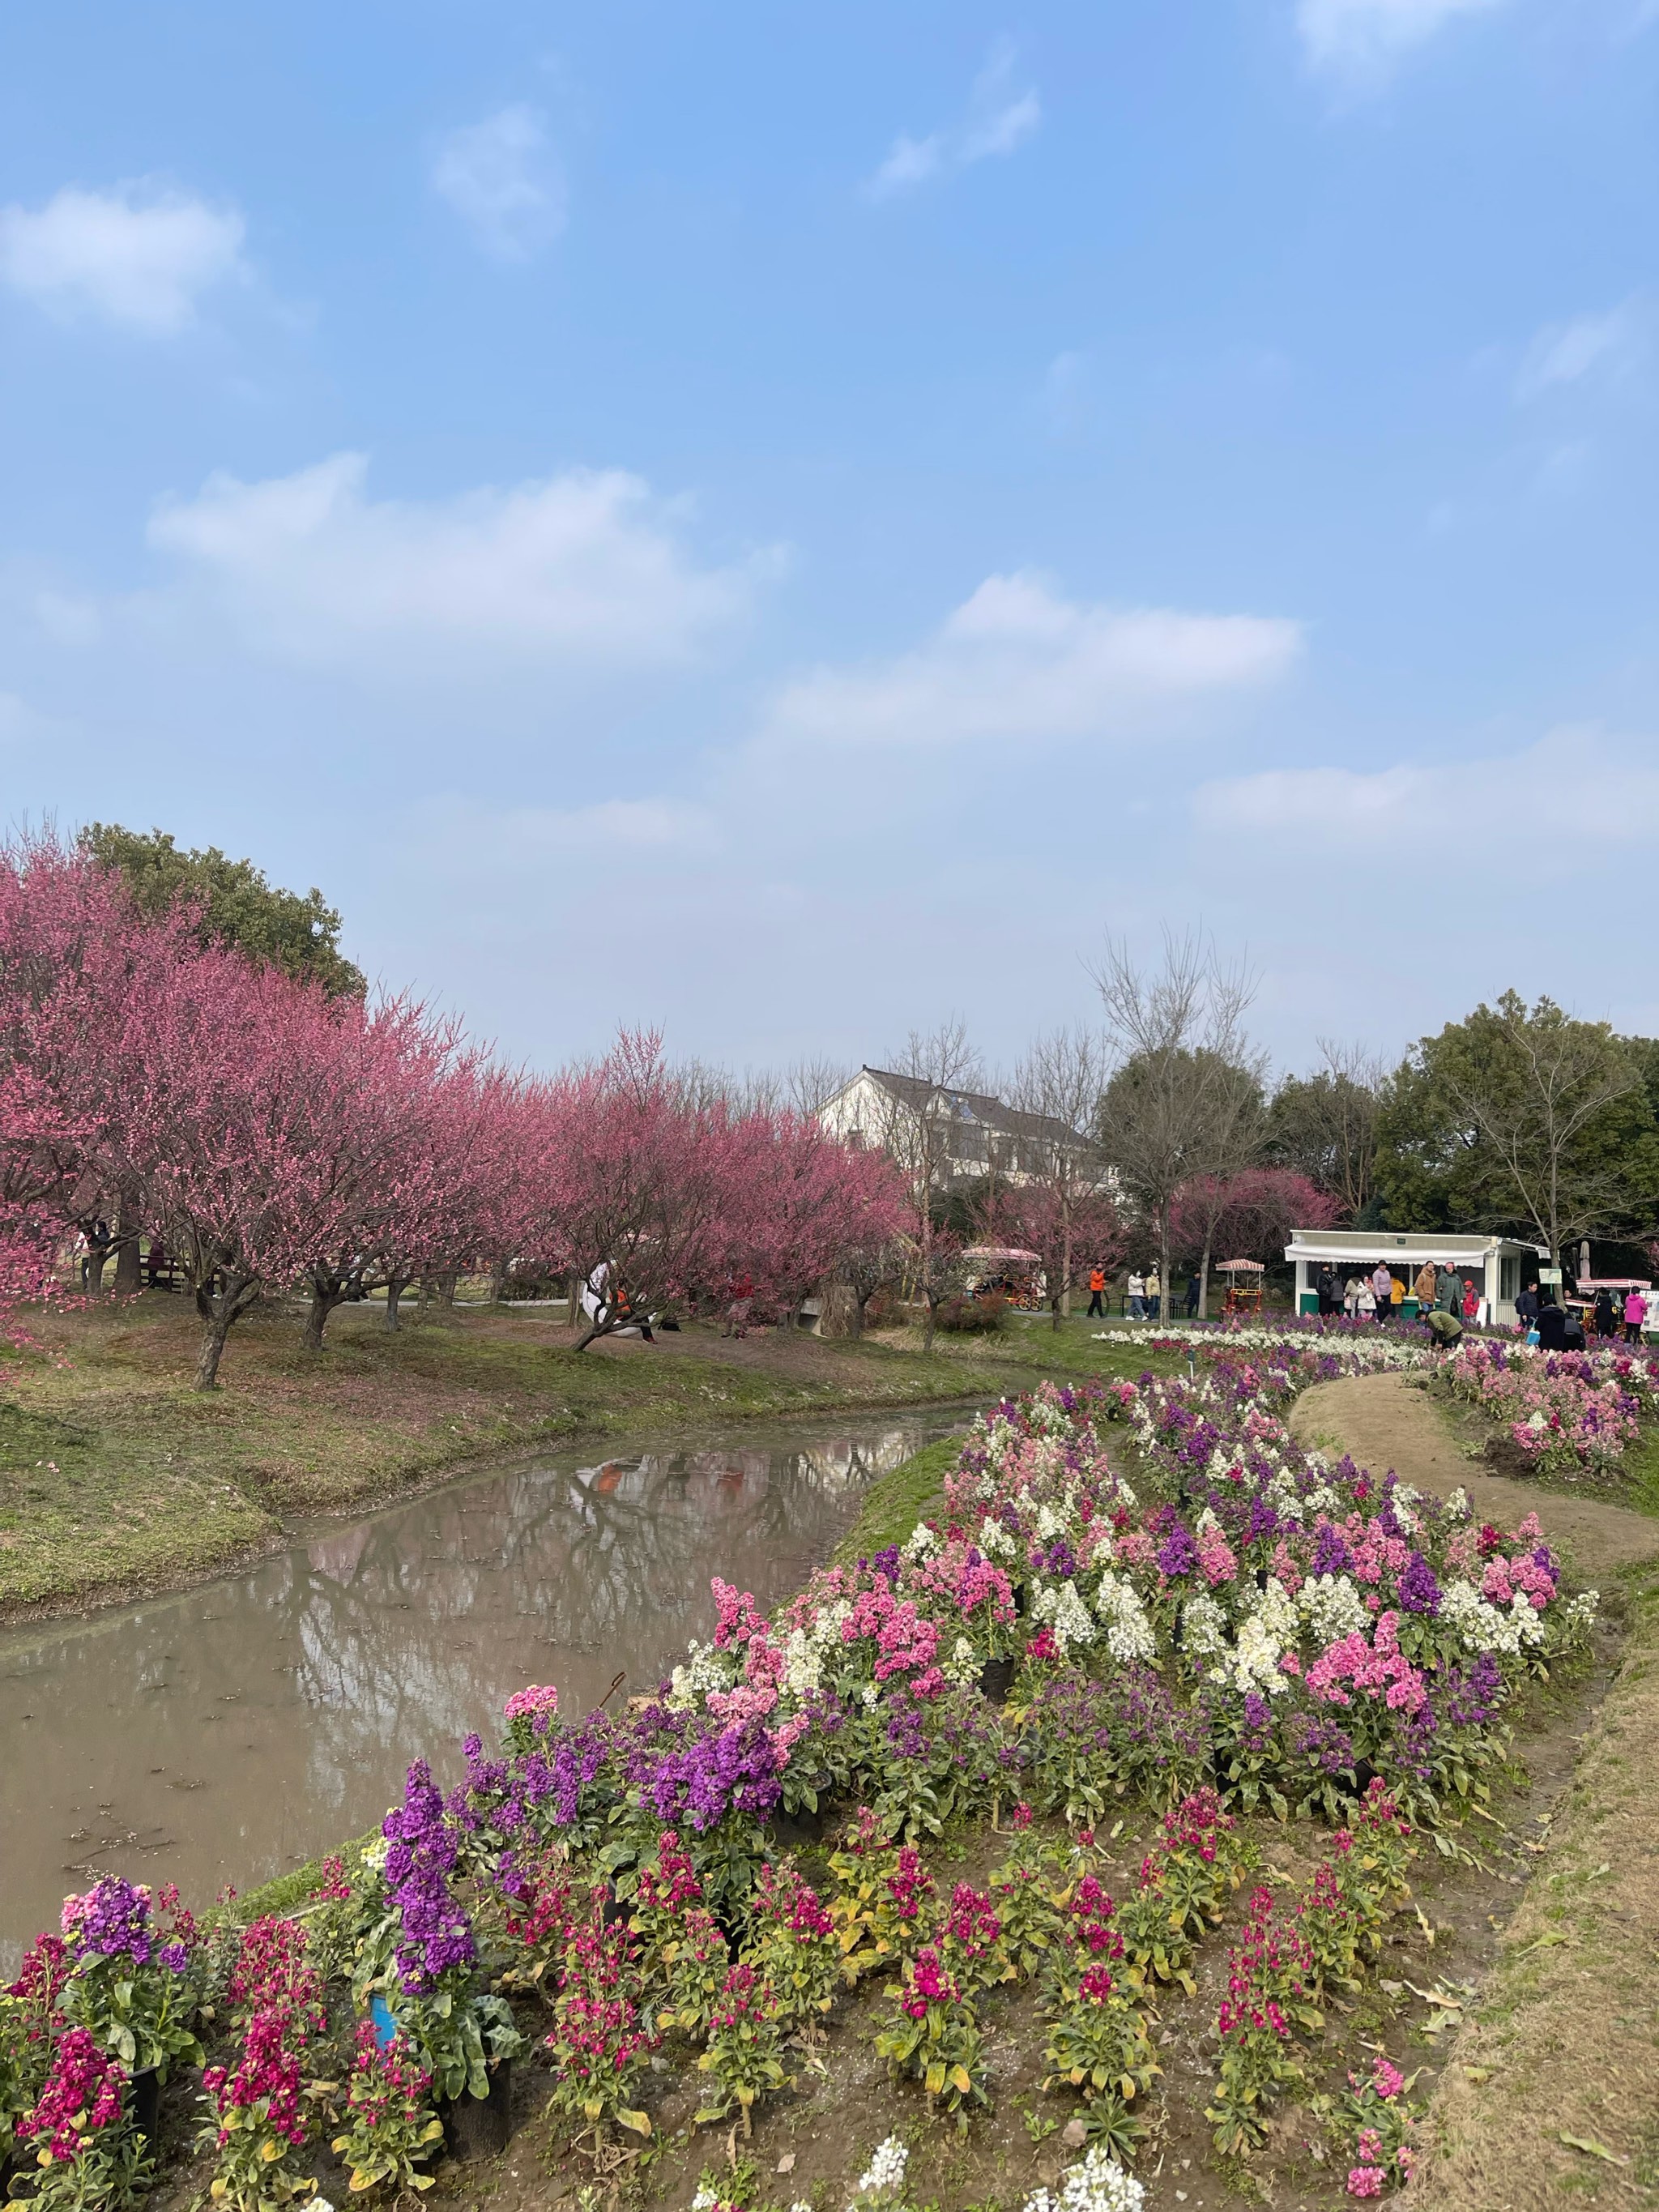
{"x": 231, "y": 1732}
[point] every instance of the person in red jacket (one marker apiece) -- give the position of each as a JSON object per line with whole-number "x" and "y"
{"x": 1097, "y": 1290}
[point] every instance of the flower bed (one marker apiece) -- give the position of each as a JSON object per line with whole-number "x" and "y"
{"x": 1246, "y": 1628}
{"x": 1565, "y": 1410}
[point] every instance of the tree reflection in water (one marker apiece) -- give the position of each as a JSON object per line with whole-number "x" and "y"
{"x": 226, "y": 1733}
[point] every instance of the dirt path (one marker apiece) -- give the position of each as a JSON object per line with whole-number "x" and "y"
{"x": 1385, "y": 1422}
{"x": 1549, "y": 2096}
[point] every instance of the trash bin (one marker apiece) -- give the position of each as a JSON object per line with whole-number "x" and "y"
{"x": 1308, "y": 1302}
{"x": 1408, "y": 1309}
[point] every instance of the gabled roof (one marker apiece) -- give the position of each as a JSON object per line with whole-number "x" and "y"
{"x": 980, "y": 1105}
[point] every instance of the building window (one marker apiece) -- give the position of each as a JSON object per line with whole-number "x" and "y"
{"x": 1508, "y": 1278}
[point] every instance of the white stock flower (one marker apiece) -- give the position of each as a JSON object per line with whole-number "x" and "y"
{"x": 1458, "y": 1506}
{"x": 1060, "y": 1606}
{"x": 994, "y": 1540}
{"x": 963, "y": 1664}
{"x": 1203, "y": 1627}
{"x": 882, "y": 2179}
{"x": 1331, "y": 1607}
{"x": 1130, "y": 1633}
{"x": 1096, "y": 2185}
{"x": 921, "y": 1540}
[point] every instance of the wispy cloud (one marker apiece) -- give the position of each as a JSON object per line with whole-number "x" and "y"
{"x": 585, "y": 570}
{"x": 140, "y": 256}
{"x": 1588, "y": 347}
{"x": 1364, "y": 38}
{"x": 1576, "y": 785}
{"x": 1017, "y": 663}
{"x": 999, "y": 117}
{"x": 499, "y": 176}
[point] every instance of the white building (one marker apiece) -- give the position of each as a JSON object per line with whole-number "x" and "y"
{"x": 1498, "y": 1265}
{"x": 967, "y": 1134}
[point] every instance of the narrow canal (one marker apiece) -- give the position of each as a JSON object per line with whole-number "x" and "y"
{"x": 231, "y": 1732}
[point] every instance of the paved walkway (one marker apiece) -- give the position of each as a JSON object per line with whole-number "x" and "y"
{"x": 1384, "y": 1422}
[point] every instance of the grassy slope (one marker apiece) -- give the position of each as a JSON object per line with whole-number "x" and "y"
{"x": 1549, "y": 2098}
{"x": 116, "y": 1474}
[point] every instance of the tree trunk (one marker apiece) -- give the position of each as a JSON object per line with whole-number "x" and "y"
{"x": 928, "y": 1325}
{"x": 1163, "y": 1266}
{"x": 586, "y": 1337}
{"x": 219, "y": 1309}
{"x": 572, "y": 1298}
{"x": 213, "y": 1345}
{"x": 323, "y": 1303}
{"x": 395, "y": 1287}
{"x": 498, "y": 1272}
{"x": 1204, "y": 1282}
{"x": 1065, "y": 1305}
{"x": 95, "y": 1268}
{"x": 126, "y": 1283}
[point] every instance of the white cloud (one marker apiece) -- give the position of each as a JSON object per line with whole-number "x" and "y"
{"x": 1571, "y": 792}
{"x": 500, "y": 178}
{"x": 998, "y": 118}
{"x": 1018, "y": 664}
{"x": 1589, "y": 346}
{"x": 140, "y": 256}
{"x": 1362, "y": 37}
{"x": 585, "y": 567}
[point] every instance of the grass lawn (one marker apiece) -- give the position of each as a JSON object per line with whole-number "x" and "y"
{"x": 117, "y": 1476}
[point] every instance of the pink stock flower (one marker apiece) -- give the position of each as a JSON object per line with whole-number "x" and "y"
{"x": 1366, "y": 2180}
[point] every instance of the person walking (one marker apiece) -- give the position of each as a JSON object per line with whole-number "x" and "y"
{"x": 1364, "y": 1306}
{"x": 1192, "y": 1297}
{"x": 1325, "y": 1284}
{"x": 1137, "y": 1289}
{"x": 1636, "y": 1314}
{"x": 1471, "y": 1304}
{"x": 1423, "y": 1288}
{"x": 1605, "y": 1323}
{"x": 1154, "y": 1292}
{"x": 1397, "y": 1294}
{"x": 1350, "y": 1298}
{"x": 1383, "y": 1291}
{"x": 1096, "y": 1292}
{"x": 1526, "y": 1308}
{"x": 1448, "y": 1291}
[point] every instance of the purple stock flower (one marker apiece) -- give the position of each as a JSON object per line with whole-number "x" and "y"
{"x": 1321, "y": 1743}
{"x": 886, "y": 1563}
{"x": 1418, "y": 1590}
{"x": 1178, "y": 1553}
{"x": 113, "y": 1922}
{"x": 423, "y": 1846}
{"x": 1331, "y": 1553}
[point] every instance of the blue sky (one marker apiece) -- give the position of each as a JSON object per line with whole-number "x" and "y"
{"x": 781, "y": 525}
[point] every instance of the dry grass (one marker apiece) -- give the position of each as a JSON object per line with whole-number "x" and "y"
{"x": 1551, "y": 2094}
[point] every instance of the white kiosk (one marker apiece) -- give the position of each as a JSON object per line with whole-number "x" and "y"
{"x": 1495, "y": 1262}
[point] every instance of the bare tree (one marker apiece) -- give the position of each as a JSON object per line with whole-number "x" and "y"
{"x": 1058, "y": 1084}
{"x": 1233, "y": 1138}
{"x": 1174, "y": 1108}
{"x": 809, "y": 1084}
{"x": 1326, "y": 1125}
{"x": 919, "y": 1129}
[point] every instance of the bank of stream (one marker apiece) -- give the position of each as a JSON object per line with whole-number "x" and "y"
{"x": 230, "y": 1733}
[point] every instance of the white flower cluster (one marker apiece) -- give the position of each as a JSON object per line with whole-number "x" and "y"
{"x": 375, "y": 1854}
{"x": 1458, "y": 1506}
{"x": 1096, "y": 2185}
{"x": 1487, "y": 1627}
{"x": 1130, "y": 1633}
{"x": 921, "y": 1540}
{"x": 1049, "y": 1525}
{"x": 882, "y": 2179}
{"x": 963, "y": 1664}
{"x": 1058, "y": 1605}
{"x": 1581, "y": 1611}
{"x": 1203, "y": 1627}
{"x": 705, "y": 1669}
{"x": 803, "y": 1663}
{"x": 1331, "y": 1607}
{"x": 1267, "y": 1631}
{"x": 994, "y": 1540}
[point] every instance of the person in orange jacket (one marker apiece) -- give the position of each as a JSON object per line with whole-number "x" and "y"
{"x": 1097, "y": 1290}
